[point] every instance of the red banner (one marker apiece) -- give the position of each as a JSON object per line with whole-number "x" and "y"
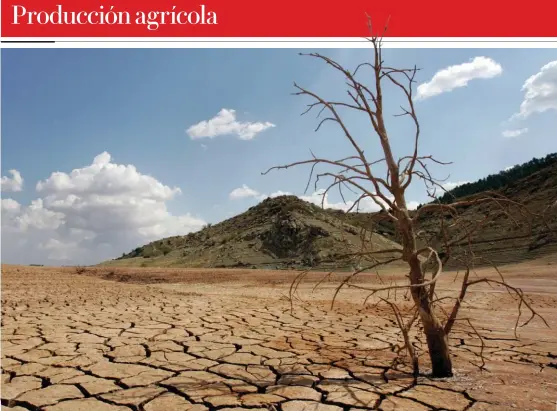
{"x": 287, "y": 18}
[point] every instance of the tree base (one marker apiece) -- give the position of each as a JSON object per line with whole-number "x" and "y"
{"x": 441, "y": 364}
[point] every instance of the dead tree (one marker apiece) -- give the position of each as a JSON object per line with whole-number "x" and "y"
{"x": 387, "y": 189}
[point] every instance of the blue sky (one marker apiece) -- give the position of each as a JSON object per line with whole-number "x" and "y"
{"x": 63, "y": 107}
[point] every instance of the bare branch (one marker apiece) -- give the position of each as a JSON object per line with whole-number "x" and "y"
{"x": 355, "y": 273}
{"x": 404, "y": 328}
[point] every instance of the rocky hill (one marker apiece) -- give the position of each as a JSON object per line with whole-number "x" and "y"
{"x": 501, "y": 179}
{"x": 286, "y": 232}
{"x": 278, "y": 233}
{"x": 507, "y": 235}
{"x": 511, "y": 235}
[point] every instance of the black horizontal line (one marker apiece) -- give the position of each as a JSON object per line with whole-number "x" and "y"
{"x": 28, "y": 41}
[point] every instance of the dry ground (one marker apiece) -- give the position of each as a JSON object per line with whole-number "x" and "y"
{"x": 158, "y": 340}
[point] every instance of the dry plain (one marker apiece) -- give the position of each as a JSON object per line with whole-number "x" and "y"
{"x": 183, "y": 339}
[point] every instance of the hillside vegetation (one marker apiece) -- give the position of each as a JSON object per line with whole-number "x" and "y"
{"x": 514, "y": 236}
{"x": 282, "y": 232}
{"x": 501, "y": 179}
{"x": 286, "y": 232}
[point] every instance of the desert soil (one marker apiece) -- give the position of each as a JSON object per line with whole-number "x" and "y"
{"x": 171, "y": 340}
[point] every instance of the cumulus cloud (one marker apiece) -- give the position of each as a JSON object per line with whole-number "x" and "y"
{"x": 13, "y": 183}
{"x": 459, "y": 75}
{"x": 10, "y": 206}
{"x": 37, "y": 216}
{"x": 244, "y": 192}
{"x": 59, "y": 250}
{"x": 93, "y": 213}
{"x": 225, "y": 123}
{"x": 104, "y": 180}
{"x": 449, "y": 185}
{"x": 279, "y": 193}
{"x": 366, "y": 205}
{"x": 318, "y": 198}
{"x": 412, "y": 205}
{"x": 514, "y": 133}
{"x": 247, "y": 192}
{"x": 16, "y": 218}
{"x": 540, "y": 91}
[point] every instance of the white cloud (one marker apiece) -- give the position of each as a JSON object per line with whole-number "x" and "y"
{"x": 449, "y": 185}
{"x": 16, "y": 218}
{"x": 37, "y": 216}
{"x": 459, "y": 75}
{"x": 509, "y": 168}
{"x": 514, "y": 133}
{"x": 279, "y": 193}
{"x": 14, "y": 183}
{"x": 412, "y": 205}
{"x": 225, "y": 123}
{"x": 366, "y": 205}
{"x": 93, "y": 213}
{"x": 105, "y": 180}
{"x": 172, "y": 225}
{"x": 244, "y": 192}
{"x": 321, "y": 199}
{"x": 59, "y": 250}
{"x": 247, "y": 192}
{"x": 10, "y": 206}
{"x": 540, "y": 91}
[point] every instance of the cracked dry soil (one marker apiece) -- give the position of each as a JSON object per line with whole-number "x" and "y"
{"x": 226, "y": 339}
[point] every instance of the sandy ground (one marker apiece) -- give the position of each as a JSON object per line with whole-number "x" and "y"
{"x": 172, "y": 340}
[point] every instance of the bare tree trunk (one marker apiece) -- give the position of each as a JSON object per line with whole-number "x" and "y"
{"x": 437, "y": 339}
{"x": 438, "y": 346}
